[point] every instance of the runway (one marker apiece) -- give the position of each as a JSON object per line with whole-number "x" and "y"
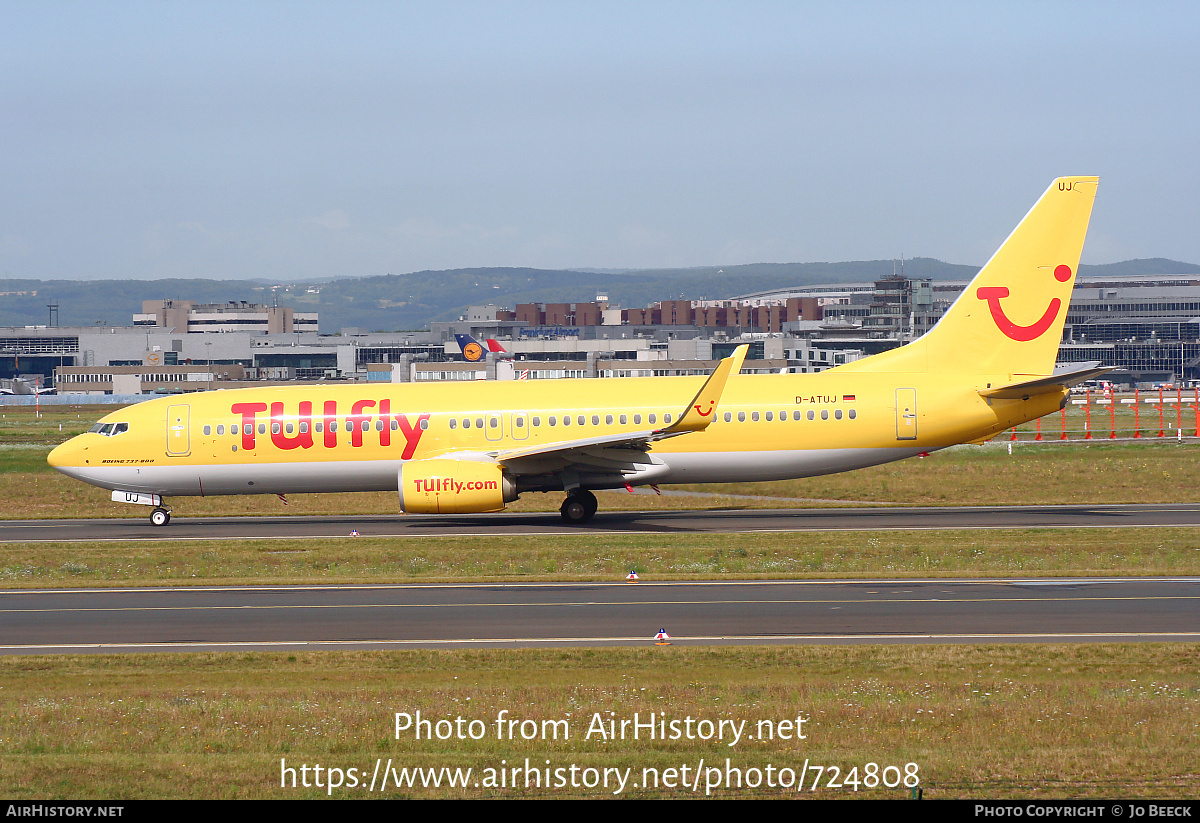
{"x": 612, "y": 614}
{"x": 623, "y": 522}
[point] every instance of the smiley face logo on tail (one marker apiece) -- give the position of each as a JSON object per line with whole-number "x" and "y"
{"x": 711, "y": 405}
{"x": 1015, "y": 331}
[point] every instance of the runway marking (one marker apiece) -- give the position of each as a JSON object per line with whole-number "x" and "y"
{"x": 662, "y": 523}
{"x": 866, "y": 581}
{"x": 484, "y": 532}
{"x": 601, "y": 604}
{"x": 836, "y": 638}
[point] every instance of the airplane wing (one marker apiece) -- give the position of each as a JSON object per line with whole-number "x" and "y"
{"x": 1045, "y": 385}
{"x": 626, "y": 453}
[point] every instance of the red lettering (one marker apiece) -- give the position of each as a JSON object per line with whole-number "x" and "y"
{"x": 385, "y": 414}
{"x": 247, "y": 411}
{"x": 330, "y": 420}
{"x": 357, "y": 418}
{"x": 281, "y": 440}
{"x": 412, "y": 434}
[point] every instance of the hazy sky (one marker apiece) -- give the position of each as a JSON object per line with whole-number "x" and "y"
{"x": 287, "y": 140}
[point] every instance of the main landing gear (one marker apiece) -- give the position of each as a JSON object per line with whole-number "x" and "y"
{"x": 579, "y": 507}
{"x": 160, "y": 516}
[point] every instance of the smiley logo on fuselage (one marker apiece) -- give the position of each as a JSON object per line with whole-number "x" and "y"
{"x": 1015, "y": 331}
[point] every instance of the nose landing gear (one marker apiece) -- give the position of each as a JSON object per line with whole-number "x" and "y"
{"x": 579, "y": 507}
{"x": 160, "y": 516}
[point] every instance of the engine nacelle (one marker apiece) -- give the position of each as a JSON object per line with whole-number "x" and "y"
{"x": 454, "y": 487}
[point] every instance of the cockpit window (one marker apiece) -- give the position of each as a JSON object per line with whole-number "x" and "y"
{"x": 110, "y": 429}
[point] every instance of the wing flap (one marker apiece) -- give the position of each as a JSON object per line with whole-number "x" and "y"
{"x": 627, "y": 447}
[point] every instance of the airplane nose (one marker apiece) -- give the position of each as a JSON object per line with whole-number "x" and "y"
{"x": 66, "y": 455}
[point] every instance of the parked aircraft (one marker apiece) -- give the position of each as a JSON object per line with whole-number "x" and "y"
{"x": 474, "y": 447}
{"x": 471, "y": 349}
{"x": 25, "y": 385}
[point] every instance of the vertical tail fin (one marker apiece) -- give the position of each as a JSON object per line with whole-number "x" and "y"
{"x": 472, "y": 352}
{"x": 1009, "y": 320}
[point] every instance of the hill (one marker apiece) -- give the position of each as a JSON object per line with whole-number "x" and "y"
{"x": 412, "y": 301}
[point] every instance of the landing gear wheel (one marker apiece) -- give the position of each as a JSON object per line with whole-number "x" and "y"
{"x": 579, "y": 507}
{"x": 160, "y": 517}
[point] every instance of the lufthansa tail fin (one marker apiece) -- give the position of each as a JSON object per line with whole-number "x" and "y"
{"x": 1009, "y": 320}
{"x": 472, "y": 352}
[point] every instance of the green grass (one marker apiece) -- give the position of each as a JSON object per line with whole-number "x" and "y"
{"x": 1027, "y": 721}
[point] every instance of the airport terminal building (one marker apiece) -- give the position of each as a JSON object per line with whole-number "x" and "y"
{"x": 1145, "y": 326}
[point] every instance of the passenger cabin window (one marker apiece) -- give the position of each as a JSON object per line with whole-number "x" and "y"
{"x": 208, "y": 430}
{"x": 453, "y": 423}
{"x": 728, "y": 417}
{"x": 853, "y": 414}
{"x": 796, "y": 415}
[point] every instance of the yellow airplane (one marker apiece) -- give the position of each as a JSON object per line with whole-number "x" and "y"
{"x": 459, "y": 448}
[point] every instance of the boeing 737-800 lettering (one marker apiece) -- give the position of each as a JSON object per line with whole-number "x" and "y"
{"x": 987, "y": 365}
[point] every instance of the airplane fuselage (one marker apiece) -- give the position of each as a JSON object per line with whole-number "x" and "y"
{"x": 333, "y": 438}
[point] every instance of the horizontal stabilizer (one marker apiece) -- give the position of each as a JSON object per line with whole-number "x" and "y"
{"x": 1044, "y": 385}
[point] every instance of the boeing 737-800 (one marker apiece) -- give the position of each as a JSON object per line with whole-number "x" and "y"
{"x": 460, "y": 448}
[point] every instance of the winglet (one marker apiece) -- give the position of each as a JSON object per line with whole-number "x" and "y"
{"x": 703, "y": 408}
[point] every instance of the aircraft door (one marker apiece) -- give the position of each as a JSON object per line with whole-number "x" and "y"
{"x": 906, "y": 414}
{"x": 178, "y": 426}
{"x": 519, "y": 425}
{"x": 493, "y": 427}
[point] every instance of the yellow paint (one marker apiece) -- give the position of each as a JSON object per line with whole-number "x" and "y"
{"x": 1003, "y": 330}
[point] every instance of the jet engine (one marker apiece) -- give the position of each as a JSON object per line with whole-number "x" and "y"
{"x": 454, "y": 487}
